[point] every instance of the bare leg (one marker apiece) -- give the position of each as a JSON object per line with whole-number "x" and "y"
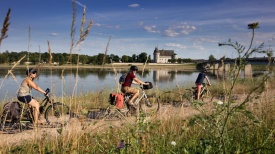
{"x": 134, "y": 97}
{"x": 33, "y": 103}
{"x": 198, "y": 92}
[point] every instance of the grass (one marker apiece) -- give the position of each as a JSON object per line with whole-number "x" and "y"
{"x": 159, "y": 135}
{"x": 243, "y": 125}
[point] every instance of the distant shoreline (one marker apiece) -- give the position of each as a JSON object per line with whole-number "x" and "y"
{"x": 189, "y": 66}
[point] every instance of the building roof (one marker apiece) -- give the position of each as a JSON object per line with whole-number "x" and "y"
{"x": 166, "y": 52}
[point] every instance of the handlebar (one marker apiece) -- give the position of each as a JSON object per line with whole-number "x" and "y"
{"x": 47, "y": 91}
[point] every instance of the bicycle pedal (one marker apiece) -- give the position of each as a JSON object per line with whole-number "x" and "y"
{"x": 148, "y": 104}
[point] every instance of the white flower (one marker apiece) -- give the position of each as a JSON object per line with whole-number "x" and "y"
{"x": 220, "y": 102}
{"x": 173, "y": 143}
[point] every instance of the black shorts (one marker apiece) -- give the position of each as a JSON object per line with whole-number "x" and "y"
{"x": 25, "y": 99}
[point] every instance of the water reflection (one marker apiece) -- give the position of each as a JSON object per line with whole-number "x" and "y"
{"x": 92, "y": 79}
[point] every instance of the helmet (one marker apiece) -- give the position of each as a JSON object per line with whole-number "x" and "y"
{"x": 204, "y": 69}
{"x": 133, "y": 68}
{"x": 30, "y": 70}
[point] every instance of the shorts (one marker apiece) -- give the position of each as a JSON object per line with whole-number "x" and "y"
{"x": 25, "y": 99}
{"x": 130, "y": 90}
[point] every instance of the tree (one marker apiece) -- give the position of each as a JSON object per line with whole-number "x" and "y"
{"x": 211, "y": 58}
{"x": 142, "y": 57}
{"x": 124, "y": 58}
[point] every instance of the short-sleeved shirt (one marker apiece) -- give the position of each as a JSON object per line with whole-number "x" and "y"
{"x": 200, "y": 78}
{"x": 129, "y": 79}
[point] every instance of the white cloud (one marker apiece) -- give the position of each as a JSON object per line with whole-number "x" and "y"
{"x": 54, "y": 34}
{"x": 179, "y": 29}
{"x": 175, "y": 45}
{"x": 133, "y": 5}
{"x": 151, "y": 29}
{"x": 79, "y": 4}
{"x": 97, "y": 24}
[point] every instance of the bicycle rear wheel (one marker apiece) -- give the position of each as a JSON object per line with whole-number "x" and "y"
{"x": 149, "y": 106}
{"x": 57, "y": 114}
{"x": 189, "y": 96}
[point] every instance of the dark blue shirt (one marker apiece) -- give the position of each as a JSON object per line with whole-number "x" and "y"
{"x": 200, "y": 78}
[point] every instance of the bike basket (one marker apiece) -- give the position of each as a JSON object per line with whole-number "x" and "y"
{"x": 150, "y": 86}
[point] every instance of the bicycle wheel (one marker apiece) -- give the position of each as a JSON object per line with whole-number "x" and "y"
{"x": 189, "y": 96}
{"x": 149, "y": 106}
{"x": 205, "y": 94}
{"x": 112, "y": 113}
{"x": 57, "y": 114}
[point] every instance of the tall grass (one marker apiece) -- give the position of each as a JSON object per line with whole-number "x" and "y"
{"x": 245, "y": 125}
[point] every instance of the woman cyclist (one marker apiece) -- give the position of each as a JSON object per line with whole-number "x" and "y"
{"x": 24, "y": 93}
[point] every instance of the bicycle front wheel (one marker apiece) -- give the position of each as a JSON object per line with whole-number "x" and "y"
{"x": 206, "y": 95}
{"x": 57, "y": 114}
{"x": 150, "y": 105}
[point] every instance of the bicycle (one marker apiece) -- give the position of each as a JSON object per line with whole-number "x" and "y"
{"x": 148, "y": 105}
{"x": 191, "y": 94}
{"x": 56, "y": 114}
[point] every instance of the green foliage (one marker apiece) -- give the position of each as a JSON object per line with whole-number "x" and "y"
{"x": 211, "y": 58}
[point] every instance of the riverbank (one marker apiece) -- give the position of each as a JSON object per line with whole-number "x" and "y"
{"x": 187, "y": 66}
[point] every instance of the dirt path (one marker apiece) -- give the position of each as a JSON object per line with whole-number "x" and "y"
{"x": 79, "y": 125}
{"x": 88, "y": 125}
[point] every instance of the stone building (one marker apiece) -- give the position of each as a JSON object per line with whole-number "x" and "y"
{"x": 162, "y": 56}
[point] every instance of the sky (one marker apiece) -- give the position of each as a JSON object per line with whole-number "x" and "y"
{"x": 192, "y": 29}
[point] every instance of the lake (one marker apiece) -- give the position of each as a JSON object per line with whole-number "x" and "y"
{"x": 91, "y": 79}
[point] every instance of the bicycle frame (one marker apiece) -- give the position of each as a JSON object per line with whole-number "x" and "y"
{"x": 28, "y": 112}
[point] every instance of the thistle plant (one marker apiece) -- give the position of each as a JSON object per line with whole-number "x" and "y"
{"x": 219, "y": 122}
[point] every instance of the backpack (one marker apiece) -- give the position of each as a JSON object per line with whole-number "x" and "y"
{"x": 11, "y": 112}
{"x": 117, "y": 100}
{"x": 122, "y": 78}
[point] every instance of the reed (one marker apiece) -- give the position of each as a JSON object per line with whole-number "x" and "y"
{"x": 5, "y": 27}
{"x": 213, "y": 128}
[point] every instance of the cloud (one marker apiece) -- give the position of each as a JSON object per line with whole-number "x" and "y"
{"x": 54, "y": 34}
{"x": 79, "y": 3}
{"x": 175, "y": 45}
{"x": 179, "y": 29}
{"x": 134, "y": 5}
{"x": 97, "y": 24}
{"x": 151, "y": 29}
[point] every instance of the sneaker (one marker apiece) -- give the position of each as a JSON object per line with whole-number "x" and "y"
{"x": 148, "y": 103}
{"x": 132, "y": 105}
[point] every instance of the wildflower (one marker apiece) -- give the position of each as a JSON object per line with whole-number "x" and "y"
{"x": 173, "y": 143}
{"x": 220, "y": 102}
{"x": 121, "y": 144}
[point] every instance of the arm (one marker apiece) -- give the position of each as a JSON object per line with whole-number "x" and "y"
{"x": 137, "y": 81}
{"x": 208, "y": 81}
{"x": 35, "y": 86}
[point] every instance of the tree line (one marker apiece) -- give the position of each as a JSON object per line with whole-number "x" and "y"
{"x": 64, "y": 58}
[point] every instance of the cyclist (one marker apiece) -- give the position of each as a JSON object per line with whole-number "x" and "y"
{"x": 126, "y": 86}
{"x": 200, "y": 80}
{"x": 24, "y": 93}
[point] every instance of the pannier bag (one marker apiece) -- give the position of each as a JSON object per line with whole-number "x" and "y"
{"x": 116, "y": 99}
{"x": 11, "y": 112}
{"x": 150, "y": 86}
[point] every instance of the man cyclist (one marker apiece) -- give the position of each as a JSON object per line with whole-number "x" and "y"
{"x": 126, "y": 86}
{"x": 200, "y": 80}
